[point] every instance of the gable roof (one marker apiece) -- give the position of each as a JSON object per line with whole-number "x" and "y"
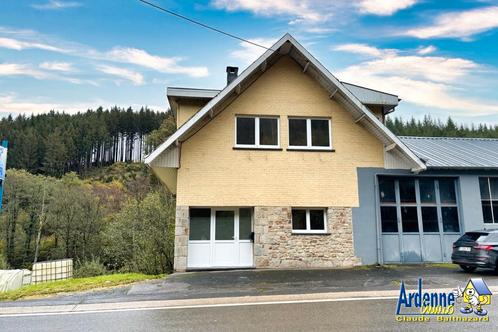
{"x": 480, "y": 286}
{"x": 287, "y": 45}
{"x": 454, "y": 152}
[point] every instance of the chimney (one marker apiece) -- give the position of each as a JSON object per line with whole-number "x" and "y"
{"x": 232, "y": 73}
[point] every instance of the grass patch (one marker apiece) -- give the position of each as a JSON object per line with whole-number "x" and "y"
{"x": 75, "y": 285}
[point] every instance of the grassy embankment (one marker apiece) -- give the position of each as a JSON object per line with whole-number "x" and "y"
{"x": 75, "y": 285}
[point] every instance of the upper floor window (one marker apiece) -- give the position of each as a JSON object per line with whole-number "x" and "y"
{"x": 309, "y": 133}
{"x": 489, "y": 199}
{"x": 257, "y": 132}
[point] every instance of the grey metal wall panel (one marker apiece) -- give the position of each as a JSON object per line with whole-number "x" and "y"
{"x": 412, "y": 252}
{"x": 390, "y": 248}
{"x": 432, "y": 248}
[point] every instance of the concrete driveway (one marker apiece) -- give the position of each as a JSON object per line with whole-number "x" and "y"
{"x": 217, "y": 284}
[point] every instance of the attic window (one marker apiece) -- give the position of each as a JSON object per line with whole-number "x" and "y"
{"x": 257, "y": 132}
{"x": 309, "y": 133}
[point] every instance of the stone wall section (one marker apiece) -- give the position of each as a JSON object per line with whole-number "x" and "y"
{"x": 275, "y": 246}
{"x": 181, "y": 238}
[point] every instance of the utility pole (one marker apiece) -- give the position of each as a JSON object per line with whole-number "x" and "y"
{"x": 3, "y": 168}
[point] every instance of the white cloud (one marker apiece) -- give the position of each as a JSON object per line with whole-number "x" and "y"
{"x": 430, "y": 81}
{"x": 301, "y": 10}
{"x": 384, "y": 7}
{"x": 248, "y": 52}
{"x": 19, "y": 69}
{"x": 10, "y": 103}
{"x": 58, "y": 66}
{"x": 130, "y": 75}
{"x": 140, "y": 57}
{"x": 458, "y": 24}
{"x": 15, "y": 69}
{"x": 19, "y": 45}
{"x": 56, "y": 4}
{"x": 360, "y": 49}
{"x": 426, "y": 50}
{"x": 162, "y": 64}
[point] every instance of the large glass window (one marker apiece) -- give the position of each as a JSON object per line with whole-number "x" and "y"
{"x": 200, "y": 224}
{"x": 447, "y": 191}
{"x": 308, "y": 220}
{"x": 224, "y": 225}
{"x": 309, "y": 134}
{"x": 407, "y": 190}
{"x": 409, "y": 219}
{"x": 429, "y": 219}
{"x": 386, "y": 190}
{"x": 389, "y": 219}
{"x": 259, "y": 132}
{"x": 246, "y": 129}
{"x": 450, "y": 219}
{"x": 245, "y": 224}
{"x": 420, "y": 204}
{"x": 297, "y": 132}
{"x": 427, "y": 191}
{"x": 489, "y": 199}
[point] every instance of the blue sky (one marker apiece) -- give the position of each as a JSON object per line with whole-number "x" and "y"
{"x": 440, "y": 57}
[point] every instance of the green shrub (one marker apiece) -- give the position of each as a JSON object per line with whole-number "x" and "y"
{"x": 90, "y": 268}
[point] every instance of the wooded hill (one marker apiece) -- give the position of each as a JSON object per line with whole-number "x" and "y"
{"x": 429, "y": 126}
{"x": 56, "y": 143}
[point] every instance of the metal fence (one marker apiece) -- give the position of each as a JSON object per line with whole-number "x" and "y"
{"x": 52, "y": 270}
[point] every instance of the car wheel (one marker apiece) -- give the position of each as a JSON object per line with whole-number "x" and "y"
{"x": 467, "y": 268}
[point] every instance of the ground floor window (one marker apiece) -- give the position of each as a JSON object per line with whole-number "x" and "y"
{"x": 414, "y": 205}
{"x": 489, "y": 199}
{"x": 309, "y": 220}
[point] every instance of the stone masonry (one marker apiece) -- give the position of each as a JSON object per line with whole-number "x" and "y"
{"x": 276, "y": 247}
{"x": 181, "y": 238}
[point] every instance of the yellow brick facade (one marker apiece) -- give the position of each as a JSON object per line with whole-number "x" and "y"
{"x": 212, "y": 173}
{"x": 186, "y": 109}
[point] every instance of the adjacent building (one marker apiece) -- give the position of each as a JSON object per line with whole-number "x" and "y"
{"x": 287, "y": 167}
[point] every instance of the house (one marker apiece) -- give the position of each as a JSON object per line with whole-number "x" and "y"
{"x": 480, "y": 289}
{"x": 288, "y": 167}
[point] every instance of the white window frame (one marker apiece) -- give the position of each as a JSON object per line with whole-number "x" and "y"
{"x": 309, "y": 145}
{"x": 308, "y": 229}
{"x": 256, "y": 144}
{"x": 491, "y": 200}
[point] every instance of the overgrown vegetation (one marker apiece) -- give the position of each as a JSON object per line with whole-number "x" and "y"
{"x": 106, "y": 214}
{"x": 434, "y": 127}
{"x": 75, "y": 285}
{"x": 121, "y": 218}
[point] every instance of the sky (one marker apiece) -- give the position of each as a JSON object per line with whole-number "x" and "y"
{"x": 439, "y": 57}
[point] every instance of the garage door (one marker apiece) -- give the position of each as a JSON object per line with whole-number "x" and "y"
{"x": 419, "y": 218}
{"x": 220, "y": 238}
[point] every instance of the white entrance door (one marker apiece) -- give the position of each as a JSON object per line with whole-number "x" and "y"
{"x": 220, "y": 238}
{"x": 224, "y": 233}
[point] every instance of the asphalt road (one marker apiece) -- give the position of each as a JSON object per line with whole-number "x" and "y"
{"x": 358, "y": 315}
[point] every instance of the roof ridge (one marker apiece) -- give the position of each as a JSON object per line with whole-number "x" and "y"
{"x": 449, "y": 138}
